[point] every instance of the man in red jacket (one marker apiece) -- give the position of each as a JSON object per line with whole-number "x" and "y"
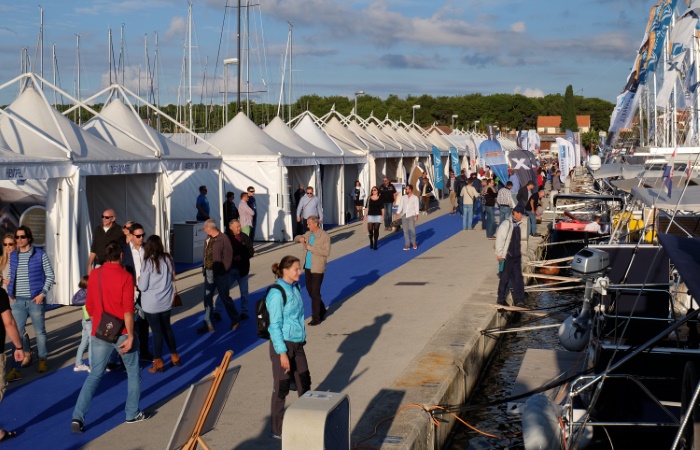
{"x": 111, "y": 289}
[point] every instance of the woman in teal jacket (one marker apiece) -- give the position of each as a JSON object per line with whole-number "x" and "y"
{"x": 287, "y": 338}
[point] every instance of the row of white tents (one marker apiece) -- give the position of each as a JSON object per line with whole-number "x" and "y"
{"x": 118, "y": 161}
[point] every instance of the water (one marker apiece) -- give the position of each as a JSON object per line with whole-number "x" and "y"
{"x": 499, "y": 377}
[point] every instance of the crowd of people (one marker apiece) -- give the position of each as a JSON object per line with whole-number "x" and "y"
{"x": 131, "y": 278}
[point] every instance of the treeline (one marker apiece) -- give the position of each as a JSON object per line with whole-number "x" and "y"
{"x": 508, "y": 111}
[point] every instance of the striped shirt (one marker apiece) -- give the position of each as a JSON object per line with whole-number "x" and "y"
{"x": 505, "y": 198}
{"x": 22, "y": 277}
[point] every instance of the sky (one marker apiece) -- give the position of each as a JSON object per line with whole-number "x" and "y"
{"x": 381, "y": 47}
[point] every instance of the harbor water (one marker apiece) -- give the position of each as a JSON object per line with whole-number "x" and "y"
{"x": 497, "y": 428}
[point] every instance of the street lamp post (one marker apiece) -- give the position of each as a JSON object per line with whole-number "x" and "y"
{"x": 358, "y": 93}
{"x": 227, "y": 62}
{"x": 454, "y": 116}
{"x": 476, "y": 122}
{"x": 414, "y": 107}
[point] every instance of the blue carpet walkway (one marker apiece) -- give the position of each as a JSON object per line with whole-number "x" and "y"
{"x": 41, "y": 410}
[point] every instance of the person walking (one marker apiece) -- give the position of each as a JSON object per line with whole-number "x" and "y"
{"x": 104, "y": 234}
{"x": 374, "y": 210}
{"x": 490, "y": 196}
{"x": 425, "y": 189}
{"x": 524, "y": 194}
{"x": 9, "y": 245}
{"x": 317, "y": 248}
{"x": 461, "y": 182}
{"x": 556, "y": 187}
{"x": 408, "y": 211}
{"x": 509, "y": 256}
{"x": 79, "y": 299}
{"x": 229, "y": 208}
{"x": 111, "y": 290}
{"x": 469, "y": 196}
{"x": 246, "y": 214}
{"x": 505, "y": 202}
{"x": 287, "y": 339}
{"x": 157, "y": 292}
{"x": 254, "y": 207}
{"x": 532, "y": 212}
{"x": 298, "y": 195}
{"x": 217, "y": 262}
{"x": 31, "y": 279}
{"x": 358, "y": 198}
{"x": 202, "y": 204}
{"x": 308, "y": 206}
{"x": 452, "y": 192}
{"x": 9, "y": 329}
{"x": 387, "y": 192}
{"x": 242, "y": 250}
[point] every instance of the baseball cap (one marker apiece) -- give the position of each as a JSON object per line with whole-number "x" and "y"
{"x": 519, "y": 209}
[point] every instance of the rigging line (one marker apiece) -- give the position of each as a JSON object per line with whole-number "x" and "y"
{"x": 218, "y": 53}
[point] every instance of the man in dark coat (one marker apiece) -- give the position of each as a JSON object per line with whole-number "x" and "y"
{"x": 240, "y": 264}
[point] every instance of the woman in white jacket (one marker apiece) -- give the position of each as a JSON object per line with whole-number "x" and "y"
{"x": 358, "y": 196}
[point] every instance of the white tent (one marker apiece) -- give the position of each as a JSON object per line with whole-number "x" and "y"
{"x": 391, "y": 165}
{"x": 105, "y": 177}
{"x": 334, "y": 206}
{"x": 253, "y": 158}
{"x": 120, "y": 125}
{"x": 383, "y": 162}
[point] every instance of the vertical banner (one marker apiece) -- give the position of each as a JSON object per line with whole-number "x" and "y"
{"x": 564, "y": 151}
{"x": 472, "y": 151}
{"x": 454, "y": 161}
{"x": 491, "y": 154}
{"x": 523, "y": 164}
{"x": 491, "y": 130}
{"x": 437, "y": 168}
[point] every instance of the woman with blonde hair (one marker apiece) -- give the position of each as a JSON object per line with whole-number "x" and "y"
{"x": 9, "y": 245}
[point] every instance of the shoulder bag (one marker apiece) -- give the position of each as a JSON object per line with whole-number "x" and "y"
{"x": 110, "y": 327}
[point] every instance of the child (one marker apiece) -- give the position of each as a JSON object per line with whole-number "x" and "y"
{"x": 79, "y": 300}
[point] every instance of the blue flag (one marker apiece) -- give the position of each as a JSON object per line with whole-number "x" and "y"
{"x": 439, "y": 171}
{"x": 454, "y": 161}
{"x": 668, "y": 179}
{"x": 492, "y": 155}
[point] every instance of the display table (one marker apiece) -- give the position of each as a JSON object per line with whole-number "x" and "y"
{"x": 188, "y": 246}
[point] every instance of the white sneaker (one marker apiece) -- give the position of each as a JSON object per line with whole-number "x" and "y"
{"x": 81, "y": 368}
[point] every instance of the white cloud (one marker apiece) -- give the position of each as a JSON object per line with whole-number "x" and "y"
{"x": 518, "y": 27}
{"x": 177, "y": 28}
{"x": 528, "y": 92}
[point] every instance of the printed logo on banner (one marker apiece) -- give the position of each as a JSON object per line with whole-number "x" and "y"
{"x": 196, "y": 165}
{"x": 119, "y": 168}
{"x": 13, "y": 173}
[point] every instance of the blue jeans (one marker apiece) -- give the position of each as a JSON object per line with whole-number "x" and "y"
{"x": 218, "y": 283}
{"x": 160, "y": 324}
{"x": 21, "y": 309}
{"x": 85, "y": 343}
{"x": 460, "y": 205}
{"x": 490, "y": 220}
{"x": 100, "y": 354}
{"x": 506, "y": 212}
{"x": 467, "y": 216}
{"x": 387, "y": 214}
{"x": 532, "y": 218}
{"x": 235, "y": 276}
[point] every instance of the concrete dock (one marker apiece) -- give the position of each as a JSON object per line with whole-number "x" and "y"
{"x": 411, "y": 337}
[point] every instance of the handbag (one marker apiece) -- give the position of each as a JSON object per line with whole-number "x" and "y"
{"x": 110, "y": 327}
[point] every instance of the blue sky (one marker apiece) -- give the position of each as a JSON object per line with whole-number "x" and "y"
{"x": 402, "y": 47}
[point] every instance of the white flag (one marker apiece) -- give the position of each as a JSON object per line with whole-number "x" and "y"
{"x": 672, "y": 69}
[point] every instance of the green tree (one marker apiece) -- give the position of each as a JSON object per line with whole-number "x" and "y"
{"x": 568, "y": 115}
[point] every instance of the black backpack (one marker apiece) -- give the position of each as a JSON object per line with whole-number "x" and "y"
{"x": 262, "y": 316}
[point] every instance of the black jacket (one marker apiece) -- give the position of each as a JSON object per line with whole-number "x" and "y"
{"x": 523, "y": 196}
{"x": 242, "y": 252}
{"x": 230, "y": 212}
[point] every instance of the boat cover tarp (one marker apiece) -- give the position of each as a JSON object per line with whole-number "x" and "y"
{"x": 626, "y": 171}
{"x": 658, "y": 197}
{"x": 685, "y": 254}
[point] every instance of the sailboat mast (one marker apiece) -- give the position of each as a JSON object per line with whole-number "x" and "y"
{"x": 238, "y": 97}
{"x": 247, "y": 58}
{"x": 291, "y": 60}
{"x": 77, "y": 94}
{"x": 121, "y": 54}
{"x": 53, "y": 61}
{"x": 41, "y": 43}
{"x": 155, "y": 81}
{"x": 109, "y": 54}
{"x": 189, "y": 62}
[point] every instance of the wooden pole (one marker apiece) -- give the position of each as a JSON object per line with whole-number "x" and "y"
{"x": 218, "y": 376}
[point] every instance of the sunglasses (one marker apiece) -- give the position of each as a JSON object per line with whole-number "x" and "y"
{"x": 24, "y": 236}
{"x": 107, "y": 217}
{"x": 138, "y": 236}
{"x": 251, "y": 192}
{"x": 10, "y": 244}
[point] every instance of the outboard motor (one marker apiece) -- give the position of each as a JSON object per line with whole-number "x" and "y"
{"x": 590, "y": 264}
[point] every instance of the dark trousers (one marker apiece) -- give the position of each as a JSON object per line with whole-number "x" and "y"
{"x": 141, "y": 325}
{"x": 299, "y": 368}
{"x": 313, "y": 287}
{"x": 304, "y": 226}
{"x": 512, "y": 276}
{"x": 252, "y": 229}
{"x": 388, "y": 216}
{"x": 160, "y": 324}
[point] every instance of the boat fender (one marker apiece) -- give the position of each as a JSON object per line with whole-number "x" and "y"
{"x": 573, "y": 336}
{"x": 540, "y": 419}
